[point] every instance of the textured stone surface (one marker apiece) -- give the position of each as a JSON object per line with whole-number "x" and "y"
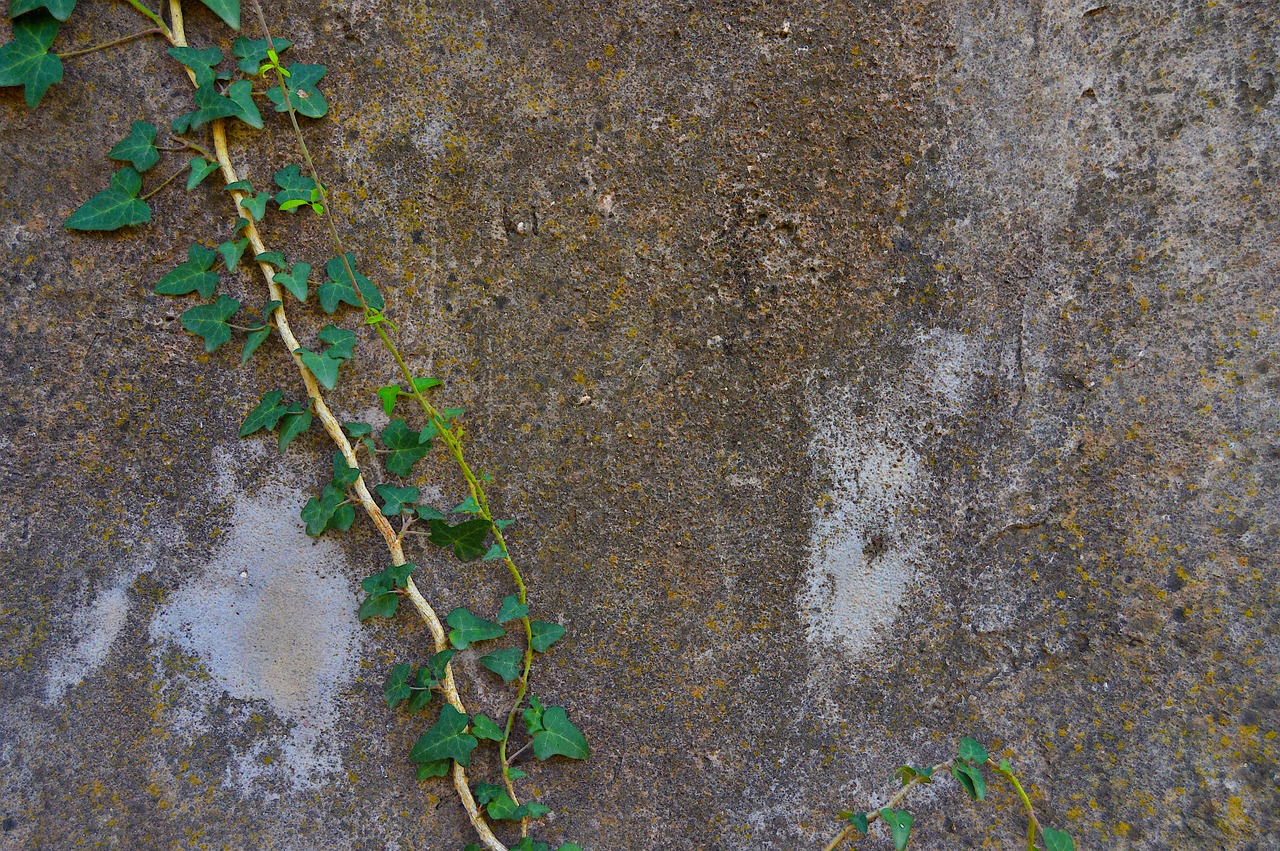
{"x": 930, "y": 350}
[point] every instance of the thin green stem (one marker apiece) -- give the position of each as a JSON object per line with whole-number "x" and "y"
{"x": 123, "y": 40}
{"x": 153, "y": 17}
{"x": 1033, "y": 824}
{"x": 168, "y": 180}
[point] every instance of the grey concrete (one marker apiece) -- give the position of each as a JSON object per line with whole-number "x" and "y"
{"x": 876, "y": 374}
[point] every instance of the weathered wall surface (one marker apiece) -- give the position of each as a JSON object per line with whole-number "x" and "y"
{"x": 931, "y": 355}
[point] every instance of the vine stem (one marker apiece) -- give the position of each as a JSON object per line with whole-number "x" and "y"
{"x": 334, "y": 429}
{"x": 123, "y": 40}
{"x": 159, "y": 22}
{"x": 451, "y": 439}
{"x": 1033, "y": 823}
{"x": 872, "y": 815}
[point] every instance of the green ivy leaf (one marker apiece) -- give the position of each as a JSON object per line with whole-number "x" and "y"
{"x": 210, "y": 321}
{"x": 484, "y": 728}
{"x": 265, "y": 415}
{"x": 341, "y": 342}
{"x": 26, "y": 61}
{"x": 200, "y": 169}
{"x": 570, "y": 846}
{"x": 505, "y": 663}
{"x": 253, "y": 52}
{"x": 469, "y": 628}
{"x": 514, "y": 773}
{"x": 907, "y": 772}
{"x": 559, "y": 737}
{"x": 397, "y": 690}
{"x": 357, "y": 430}
{"x": 228, "y": 10}
{"x": 193, "y": 275}
{"x": 545, "y": 634}
{"x": 231, "y": 251}
{"x": 395, "y": 499}
{"x": 343, "y": 474}
{"x": 447, "y": 739}
{"x": 393, "y": 577}
{"x": 388, "y": 393}
{"x": 114, "y": 208}
{"x": 274, "y": 258}
{"x": 971, "y": 779}
{"x": 466, "y": 538}
{"x": 439, "y": 662}
{"x": 858, "y": 820}
{"x": 242, "y": 185}
{"x": 210, "y": 106}
{"x": 328, "y": 512}
{"x": 496, "y": 551}
{"x": 201, "y": 61}
{"x": 1056, "y": 840}
{"x": 512, "y": 609}
{"x": 502, "y": 524}
{"x": 405, "y": 445}
{"x": 257, "y": 205}
{"x": 533, "y": 716}
{"x": 438, "y": 768}
{"x": 295, "y": 281}
{"x": 60, "y": 9}
{"x": 296, "y": 420}
{"x": 972, "y": 752}
{"x": 323, "y": 367}
{"x": 294, "y": 185}
{"x": 899, "y": 822}
{"x": 138, "y": 147}
{"x": 254, "y": 339}
{"x": 467, "y": 506}
{"x": 338, "y": 289}
{"x": 421, "y": 696}
{"x": 303, "y": 94}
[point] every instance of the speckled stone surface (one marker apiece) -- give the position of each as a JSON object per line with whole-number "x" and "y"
{"x": 862, "y": 376}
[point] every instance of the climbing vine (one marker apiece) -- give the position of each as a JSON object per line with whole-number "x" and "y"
{"x": 468, "y": 530}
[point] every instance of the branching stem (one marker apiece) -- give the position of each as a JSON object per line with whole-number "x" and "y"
{"x": 160, "y": 24}
{"x": 123, "y": 40}
{"x": 872, "y": 815}
{"x": 167, "y": 181}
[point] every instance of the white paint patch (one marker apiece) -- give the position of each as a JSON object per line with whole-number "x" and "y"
{"x": 867, "y": 545}
{"x": 96, "y": 628}
{"x": 272, "y": 619}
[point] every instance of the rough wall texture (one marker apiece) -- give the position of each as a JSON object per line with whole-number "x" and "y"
{"x": 930, "y": 350}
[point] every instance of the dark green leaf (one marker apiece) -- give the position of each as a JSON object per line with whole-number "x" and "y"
{"x": 323, "y": 367}
{"x": 469, "y": 628}
{"x": 228, "y": 10}
{"x": 26, "y": 61}
{"x": 972, "y": 752}
{"x": 242, "y": 185}
{"x": 60, "y": 9}
{"x": 241, "y": 224}
{"x": 899, "y": 822}
{"x": 201, "y": 61}
{"x": 1056, "y": 840}
{"x": 295, "y": 281}
{"x": 466, "y": 538}
{"x": 559, "y": 737}
{"x": 138, "y": 147}
{"x": 533, "y": 716}
{"x": 377, "y": 605}
{"x": 515, "y": 773}
{"x": 907, "y": 772}
{"x": 303, "y": 94}
{"x": 512, "y": 609}
{"x": 114, "y": 208}
{"x": 438, "y": 768}
{"x": 275, "y": 258}
{"x": 254, "y": 339}
{"x": 338, "y": 289}
{"x": 294, "y": 185}
{"x": 295, "y": 421}
{"x": 486, "y": 792}
{"x": 467, "y": 506}
{"x": 210, "y": 105}
{"x": 570, "y": 846}
{"x": 200, "y": 169}
{"x": 341, "y": 342}
{"x": 970, "y": 777}
{"x": 447, "y": 739}
{"x": 397, "y": 690}
{"x": 406, "y": 448}
{"x": 323, "y": 513}
{"x": 483, "y": 728}
{"x": 232, "y": 250}
{"x": 253, "y": 52}
{"x": 858, "y": 820}
{"x": 505, "y": 663}
{"x": 439, "y": 663}
{"x": 343, "y": 474}
{"x": 426, "y": 512}
{"x": 421, "y": 692}
{"x": 545, "y": 634}
{"x": 257, "y": 205}
{"x": 266, "y": 415}
{"x": 394, "y": 499}
{"x": 193, "y": 275}
{"x": 210, "y": 321}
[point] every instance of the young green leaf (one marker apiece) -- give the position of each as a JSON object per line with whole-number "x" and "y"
{"x": 323, "y": 367}
{"x": 295, "y": 281}
{"x": 228, "y": 10}
{"x": 514, "y": 773}
{"x": 558, "y": 736}
{"x": 858, "y": 820}
{"x": 466, "y": 538}
{"x": 545, "y": 634}
{"x": 972, "y": 752}
{"x": 395, "y": 499}
{"x": 201, "y": 61}
{"x": 435, "y": 768}
{"x": 303, "y": 94}
{"x": 496, "y": 552}
{"x": 533, "y": 716}
{"x": 1056, "y": 840}
{"x": 467, "y": 506}
{"x": 252, "y": 341}
{"x": 397, "y": 690}
{"x": 200, "y": 169}
{"x": 907, "y": 772}
{"x": 210, "y": 321}
{"x": 294, "y": 185}
{"x": 502, "y": 524}
{"x": 253, "y": 52}
{"x": 388, "y": 393}
{"x": 504, "y": 663}
{"x": 483, "y": 728}
{"x": 447, "y": 739}
{"x": 265, "y": 415}
{"x": 511, "y": 609}
{"x": 231, "y": 251}
{"x": 469, "y": 628}
{"x": 60, "y": 9}
{"x": 405, "y": 445}
{"x": 341, "y": 342}
{"x": 899, "y": 822}
{"x": 193, "y": 275}
{"x": 970, "y": 777}
{"x": 296, "y": 420}
{"x": 138, "y": 148}
{"x": 26, "y": 61}
{"x": 257, "y": 205}
{"x": 114, "y": 208}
